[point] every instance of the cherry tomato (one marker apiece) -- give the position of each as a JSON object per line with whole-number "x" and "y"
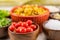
{"x": 33, "y": 26}
{"x": 18, "y": 24}
{"x": 12, "y": 28}
{"x": 25, "y": 24}
{"x": 14, "y": 23}
{"x": 29, "y": 29}
{"x": 21, "y": 30}
{"x": 17, "y": 30}
{"x": 29, "y": 22}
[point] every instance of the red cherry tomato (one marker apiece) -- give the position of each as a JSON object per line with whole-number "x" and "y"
{"x": 33, "y": 26}
{"x": 18, "y": 24}
{"x": 29, "y": 22}
{"x": 17, "y": 30}
{"x": 25, "y": 24}
{"x": 21, "y": 30}
{"x": 12, "y": 28}
{"x": 14, "y": 23}
{"x": 29, "y": 29}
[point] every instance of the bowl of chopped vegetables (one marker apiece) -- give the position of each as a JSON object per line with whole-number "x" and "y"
{"x": 4, "y": 23}
{"x": 36, "y": 13}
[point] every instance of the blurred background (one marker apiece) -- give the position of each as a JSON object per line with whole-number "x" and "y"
{"x": 22, "y": 2}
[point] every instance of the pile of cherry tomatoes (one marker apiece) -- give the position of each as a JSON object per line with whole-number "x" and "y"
{"x": 23, "y": 27}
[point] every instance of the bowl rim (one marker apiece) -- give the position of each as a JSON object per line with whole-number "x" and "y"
{"x": 25, "y": 33}
{"x": 11, "y": 12}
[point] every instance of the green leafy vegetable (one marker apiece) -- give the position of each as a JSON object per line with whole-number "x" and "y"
{"x": 4, "y": 22}
{"x": 4, "y": 13}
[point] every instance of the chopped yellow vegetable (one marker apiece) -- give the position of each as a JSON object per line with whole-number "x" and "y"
{"x": 30, "y": 10}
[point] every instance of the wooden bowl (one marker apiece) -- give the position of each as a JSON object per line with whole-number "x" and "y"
{"x": 4, "y": 31}
{"x": 51, "y": 33}
{"x": 26, "y": 36}
{"x": 37, "y": 18}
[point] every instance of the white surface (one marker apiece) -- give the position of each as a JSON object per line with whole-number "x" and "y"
{"x": 52, "y": 24}
{"x": 41, "y": 37}
{"x": 52, "y": 8}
